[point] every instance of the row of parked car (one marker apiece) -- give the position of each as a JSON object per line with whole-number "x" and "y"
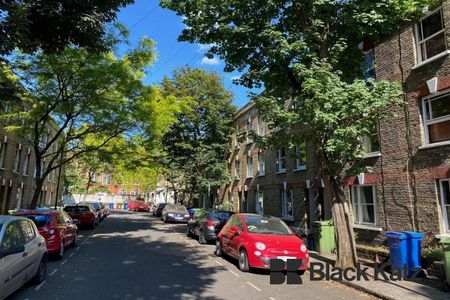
{"x": 29, "y": 237}
{"x": 252, "y": 239}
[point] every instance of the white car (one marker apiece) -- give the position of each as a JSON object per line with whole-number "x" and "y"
{"x": 23, "y": 254}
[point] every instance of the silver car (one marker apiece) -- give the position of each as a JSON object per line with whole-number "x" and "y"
{"x": 23, "y": 254}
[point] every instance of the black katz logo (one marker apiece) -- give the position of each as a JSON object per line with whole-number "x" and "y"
{"x": 278, "y": 267}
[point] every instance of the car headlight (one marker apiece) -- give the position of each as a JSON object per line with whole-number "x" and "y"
{"x": 170, "y": 215}
{"x": 303, "y": 248}
{"x": 186, "y": 215}
{"x": 260, "y": 246}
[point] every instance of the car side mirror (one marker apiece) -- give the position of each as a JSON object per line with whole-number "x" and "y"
{"x": 235, "y": 229}
{"x": 14, "y": 250}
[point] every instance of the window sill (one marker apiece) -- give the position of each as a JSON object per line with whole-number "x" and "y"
{"x": 261, "y": 175}
{"x": 442, "y": 54}
{"x": 426, "y": 146}
{"x": 301, "y": 168}
{"x": 373, "y": 154}
{"x": 440, "y": 236}
{"x": 249, "y": 177}
{"x": 281, "y": 172}
{"x": 367, "y": 227}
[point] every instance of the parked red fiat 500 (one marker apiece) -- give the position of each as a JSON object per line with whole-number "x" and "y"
{"x": 254, "y": 240}
{"x": 138, "y": 205}
{"x": 56, "y": 227}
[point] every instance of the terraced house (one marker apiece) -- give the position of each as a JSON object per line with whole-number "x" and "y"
{"x": 409, "y": 187}
{"x": 18, "y": 172}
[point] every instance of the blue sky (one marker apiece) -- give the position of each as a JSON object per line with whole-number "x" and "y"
{"x": 147, "y": 18}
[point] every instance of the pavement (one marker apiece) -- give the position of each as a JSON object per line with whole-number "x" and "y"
{"x": 136, "y": 256}
{"x": 417, "y": 289}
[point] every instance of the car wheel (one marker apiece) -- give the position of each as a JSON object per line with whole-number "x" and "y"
{"x": 188, "y": 231}
{"x": 218, "y": 251}
{"x": 41, "y": 273}
{"x": 243, "y": 261}
{"x": 201, "y": 237}
{"x": 60, "y": 253}
{"x": 75, "y": 240}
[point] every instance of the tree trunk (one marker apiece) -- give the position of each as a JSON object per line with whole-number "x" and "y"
{"x": 343, "y": 226}
{"x": 37, "y": 193}
{"x": 88, "y": 185}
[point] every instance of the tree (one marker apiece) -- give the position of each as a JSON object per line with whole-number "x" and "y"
{"x": 195, "y": 145}
{"x": 75, "y": 96}
{"x": 30, "y": 25}
{"x": 305, "y": 55}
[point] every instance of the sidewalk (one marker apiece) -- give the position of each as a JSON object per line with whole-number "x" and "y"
{"x": 421, "y": 288}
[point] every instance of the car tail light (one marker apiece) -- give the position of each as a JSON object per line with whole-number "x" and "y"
{"x": 211, "y": 223}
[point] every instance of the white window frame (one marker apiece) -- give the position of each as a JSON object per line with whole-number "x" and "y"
{"x": 419, "y": 42}
{"x": 3, "y": 148}
{"x": 26, "y": 163}
{"x": 17, "y": 159}
{"x": 284, "y": 204}
{"x": 259, "y": 202}
{"x": 249, "y": 166}
{"x": 298, "y": 158}
{"x": 249, "y": 129}
{"x": 261, "y": 164}
{"x": 426, "y": 122}
{"x": 445, "y": 217}
{"x": 261, "y": 127}
{"x": 236, "y": 138}
{"x": 280, "y": 159}
{"x": 237, "y": 169}
{"x": 357, "y": 212}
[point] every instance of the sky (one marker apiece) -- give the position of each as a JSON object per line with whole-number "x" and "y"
{"x": 147, "y": 18}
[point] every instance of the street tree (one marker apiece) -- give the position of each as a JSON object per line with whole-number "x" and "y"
{"x": 30, "y": 25}
{"x": 305, "y": 54}
{"x": 67, "y": 98}
{"x": 195, "y": 145}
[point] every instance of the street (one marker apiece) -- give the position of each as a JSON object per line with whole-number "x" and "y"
{"x": 136, "y": 256}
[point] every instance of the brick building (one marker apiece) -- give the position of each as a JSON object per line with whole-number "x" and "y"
{"x": 409, "y": 188}
{"x": 17, "y": 174}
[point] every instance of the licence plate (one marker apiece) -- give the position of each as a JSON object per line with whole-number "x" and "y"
{"x": 75, "y": 220}
{"x": 285, "y": 258}
{"x": 178, "y": 218}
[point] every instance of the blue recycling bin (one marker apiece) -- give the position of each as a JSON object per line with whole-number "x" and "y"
{"x": 111, "y": 205}
{"x": 414, "y": 250}
{"x": 404, "y": 249}
{"x": 398, "y": 249}
{"x": 125, "y": 206}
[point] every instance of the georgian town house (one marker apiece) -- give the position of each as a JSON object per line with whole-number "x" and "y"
{"x": 409, "y": 187}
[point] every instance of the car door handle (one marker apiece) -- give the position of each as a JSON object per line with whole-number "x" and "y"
{"x": 24, "y": 254}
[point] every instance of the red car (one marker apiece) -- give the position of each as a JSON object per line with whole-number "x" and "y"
{"x": 83, "y": 215}
{"x": 56, "y": 227}
{"x": 254, "y": 240}
{"x": 138, "y": 205}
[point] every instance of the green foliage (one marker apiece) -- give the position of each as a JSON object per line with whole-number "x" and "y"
{"x": 430, "y": 255}
{"x": 195, "y": 145}
{"x": 53, "y": 25}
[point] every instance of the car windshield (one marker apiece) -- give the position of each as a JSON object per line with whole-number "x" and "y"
{"x": 176, "y": 208}
{"x": 220, "y": 215}
{"x": 39, "y": 220}
{"x": 96, "y": 205}
{"x": 76, "y": 208}
{"x": 266, "y": 225}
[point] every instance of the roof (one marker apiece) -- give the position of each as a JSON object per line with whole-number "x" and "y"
{"x": 37, "y": 212}
{"x": 246, "y": 108}
{"x": 4, "y": 219}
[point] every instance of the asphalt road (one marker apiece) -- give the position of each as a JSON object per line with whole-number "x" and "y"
{"x": 135, "y": 256}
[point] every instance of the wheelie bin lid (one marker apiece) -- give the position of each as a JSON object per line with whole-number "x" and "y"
{"x": 414, "y": 235}
{"x": 396, "y": 235}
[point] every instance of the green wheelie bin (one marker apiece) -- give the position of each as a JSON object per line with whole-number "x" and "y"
{"x": 324, "y": 236}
